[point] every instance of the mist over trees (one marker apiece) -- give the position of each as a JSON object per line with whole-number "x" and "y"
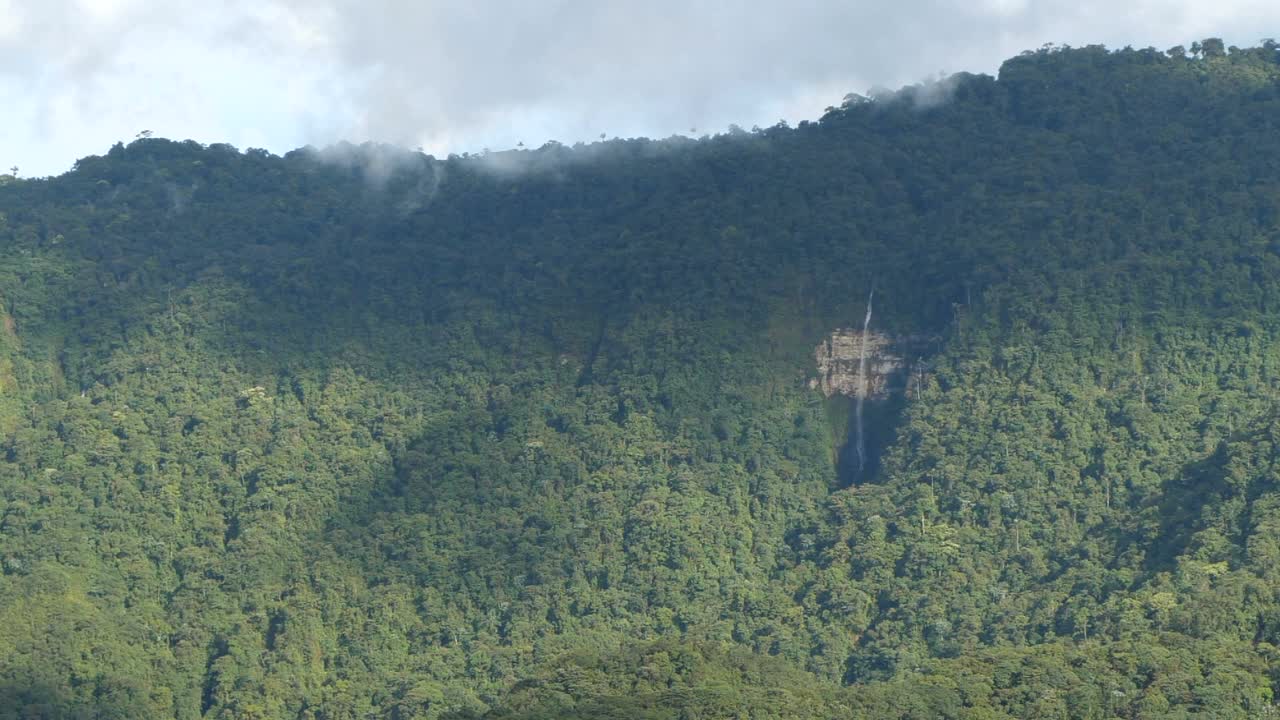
{"x": 363, "y": 433}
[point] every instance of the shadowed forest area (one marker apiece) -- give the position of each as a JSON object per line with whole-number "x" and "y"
{"x": 361, "y": 433}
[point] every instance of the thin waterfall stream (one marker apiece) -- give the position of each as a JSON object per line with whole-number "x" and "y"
{"x": 861, "y": 395}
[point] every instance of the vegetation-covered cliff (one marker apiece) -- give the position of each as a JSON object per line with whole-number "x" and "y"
{"x": 543, "y": 434}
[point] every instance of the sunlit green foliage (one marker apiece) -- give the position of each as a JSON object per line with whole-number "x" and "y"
{"x": 364, "y": 434}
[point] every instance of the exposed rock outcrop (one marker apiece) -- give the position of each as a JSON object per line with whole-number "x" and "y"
{"x": 889, "y": 363}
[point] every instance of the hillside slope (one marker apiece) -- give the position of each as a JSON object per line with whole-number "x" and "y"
{"x": 361, "y": 433}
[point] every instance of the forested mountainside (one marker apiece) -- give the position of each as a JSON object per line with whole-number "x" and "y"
{"x": 543, "y": 434}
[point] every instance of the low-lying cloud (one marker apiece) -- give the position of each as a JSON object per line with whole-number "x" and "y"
{"x": 77, "y": 75}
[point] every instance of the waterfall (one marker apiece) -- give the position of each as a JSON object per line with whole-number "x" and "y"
{"x": 861, "y": 444}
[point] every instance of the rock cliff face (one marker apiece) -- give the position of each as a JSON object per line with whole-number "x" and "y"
{"x": 894, "y": 365}
{"x": 888, "y": 366}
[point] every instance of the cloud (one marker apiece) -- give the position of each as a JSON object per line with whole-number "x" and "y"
{"x": 76, "y": 75}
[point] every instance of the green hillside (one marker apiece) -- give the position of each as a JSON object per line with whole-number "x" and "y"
{"x": 360, "y": 433}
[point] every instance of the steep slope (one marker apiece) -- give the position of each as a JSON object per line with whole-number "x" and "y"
{"x": 367, "y": 434}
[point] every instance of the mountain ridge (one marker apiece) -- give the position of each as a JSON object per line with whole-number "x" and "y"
{"x": 348, "y": 436}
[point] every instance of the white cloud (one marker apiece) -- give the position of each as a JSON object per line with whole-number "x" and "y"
{"x": 77, "y": 75}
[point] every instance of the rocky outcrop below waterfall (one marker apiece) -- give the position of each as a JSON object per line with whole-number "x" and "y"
{"x": 892, "y": 363}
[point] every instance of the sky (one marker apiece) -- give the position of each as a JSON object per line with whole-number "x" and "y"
{"x": 77, "y": 76}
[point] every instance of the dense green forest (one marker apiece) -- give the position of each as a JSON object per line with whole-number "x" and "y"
{"x": 361, "y": 433}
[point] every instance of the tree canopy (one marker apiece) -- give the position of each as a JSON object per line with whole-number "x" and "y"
{"x": 362, "y": 433}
